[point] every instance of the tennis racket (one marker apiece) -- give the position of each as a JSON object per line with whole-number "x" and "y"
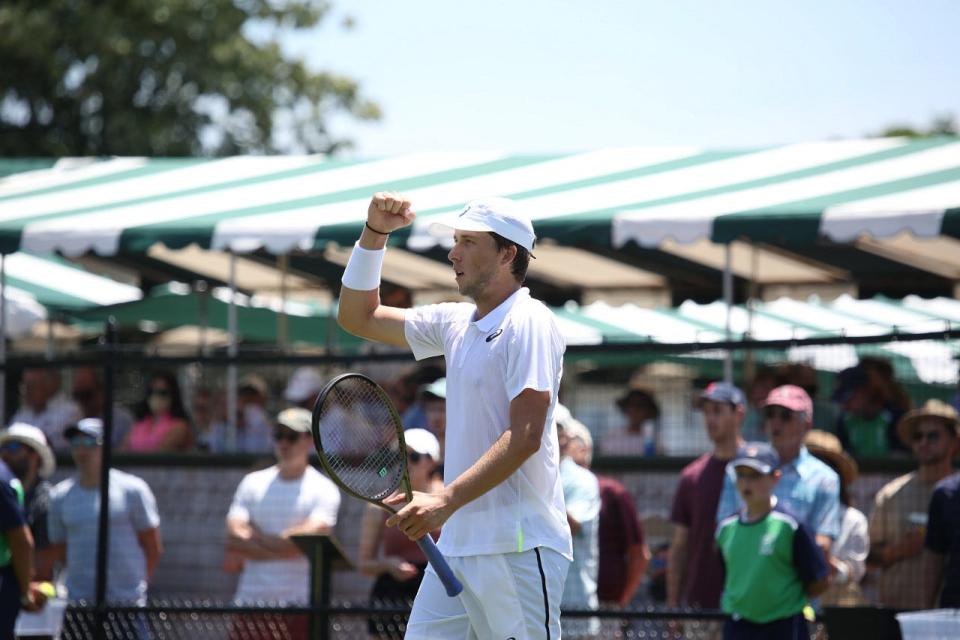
{"x": 359, "y": 438}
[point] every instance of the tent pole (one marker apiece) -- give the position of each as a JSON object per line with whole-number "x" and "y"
{"x": 232, "y": 352}
{"x": 3, "y": 338}
{"x": 728, "y": 298}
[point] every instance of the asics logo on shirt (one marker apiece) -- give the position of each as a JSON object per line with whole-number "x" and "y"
{"x": 493, "y": 335}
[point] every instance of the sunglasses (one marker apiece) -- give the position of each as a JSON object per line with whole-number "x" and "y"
{"x": 85, "y": 442}
{"x": 784, "y": 414}
{"x": 414, "y": 456}
{"x": 929, "y": 436}
{"x": 160, "y": 392}
{"x": 289, "y": 436}
{"x": 12, "y": 446}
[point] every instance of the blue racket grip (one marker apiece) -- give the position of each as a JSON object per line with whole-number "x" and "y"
{"x": 439, "y": 564}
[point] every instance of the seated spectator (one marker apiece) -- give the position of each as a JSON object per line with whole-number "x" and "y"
{"x": 161, "y": 424}
{"x": 640, "y": 435}
{"x": 268, "y": 508}
{"x": 253, "y": 426}
{"x": 433, "y": 397}
{"x": 871, "y": 403}
{"x": 45, "y": 407}
{"x": 25, "y": 450}
{"x": 303, "y": 387}
{"x": 386, "y": 552}
{"x": 772, "y": 564}
{"x": 899, "y": 518}
{"x": 848, "y": 556}
{"x": 73, "y": 523}
{"x": 88, "y": 393}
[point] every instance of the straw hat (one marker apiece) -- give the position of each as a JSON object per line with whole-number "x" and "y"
{"x": 931, "y": 409}
{"x": 827, "y": 447}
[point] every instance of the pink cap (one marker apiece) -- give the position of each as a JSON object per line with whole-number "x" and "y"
{"x": 792, "y": 397}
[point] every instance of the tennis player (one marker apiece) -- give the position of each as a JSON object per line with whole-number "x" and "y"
{"x": 504, "y": 527}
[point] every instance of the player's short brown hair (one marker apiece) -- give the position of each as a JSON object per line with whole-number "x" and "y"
{"x": 521, "y": 262}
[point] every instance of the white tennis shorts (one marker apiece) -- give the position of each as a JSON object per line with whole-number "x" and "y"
{"x": 507, "y": 596}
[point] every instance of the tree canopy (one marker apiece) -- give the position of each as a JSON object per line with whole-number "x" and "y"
{"x": 164, "y": 78}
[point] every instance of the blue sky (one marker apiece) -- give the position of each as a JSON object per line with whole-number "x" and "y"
{"x": 538, "y": 76}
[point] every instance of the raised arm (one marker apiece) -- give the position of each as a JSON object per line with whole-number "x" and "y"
{"x": 360, "y": 311}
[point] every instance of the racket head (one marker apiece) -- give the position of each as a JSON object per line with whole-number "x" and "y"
{"x": 358, "y": 436}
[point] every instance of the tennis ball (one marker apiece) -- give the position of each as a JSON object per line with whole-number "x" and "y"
{"x": 47, "y": 589}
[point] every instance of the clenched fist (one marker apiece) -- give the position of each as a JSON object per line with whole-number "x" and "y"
{"x": 389, "y": 211}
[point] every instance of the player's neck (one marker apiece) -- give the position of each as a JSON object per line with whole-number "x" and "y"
{"x": 726, "y": 449}
{"x": 759, "y": 509}
{"x": 494, "y": 295}
{"x": 932, "y": 473}
{"x": 291, "y": 469}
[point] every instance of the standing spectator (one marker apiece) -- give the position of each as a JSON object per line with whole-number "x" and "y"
{"x": 848, "y": 556}
{"x": 581, "y": 494}
{"x": 941, "y": 556}
{"x": 695, "y": 569}
{"x": 899, "y": 517}
{"x": 88, "y": 393}
{"x": 808, "y": 488}
{"x": 303, "y": 387}
{"x": 24, "y": 448}
{"x": 274, "y": 504}
{"x": 433, "y": 397}
{"x": 73, "y": 523}
{"x": 772, "y": 562}
{"x": 161, "y": 419}
{"x": 16, "y": 556}
{"x": 871, "y": 404}
{"x": 45, "y": 407}
{"x": 386, "y": 553}
{"x": 639, "y": 436}
{"x": 254, "y": 428}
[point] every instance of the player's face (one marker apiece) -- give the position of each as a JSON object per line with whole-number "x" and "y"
{"x": 755, "y": 488}
{"x": 290, "y": 444}
{"x": 721, "y": 419}
{"x": 785, "y": 429}
{"x": 933, "y": 441}
{"x": 474, "y": 257}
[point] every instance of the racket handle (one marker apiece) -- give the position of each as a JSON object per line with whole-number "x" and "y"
{"x": 439, "y": 564}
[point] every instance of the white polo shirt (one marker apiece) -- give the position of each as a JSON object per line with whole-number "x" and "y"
{"x": 490, "y": 361}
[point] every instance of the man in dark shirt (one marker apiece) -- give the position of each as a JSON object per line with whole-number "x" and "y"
{"x": 623, "y": 552}
{"x": 25, "y": 450}
{"x": 942, "y": 544}
{"x": 694, "y": 568}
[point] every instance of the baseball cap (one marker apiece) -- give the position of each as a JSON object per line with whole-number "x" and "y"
{"x": 422, "y": 441}
{"x": 723, "y": 392}
{"x": 92, "y": 427}
{"x": 35, "y": 439}
{"x": 295, "y": 418}
{"x": 437, "y": 388}
{"x": 792, "y": 397}
{"x": 759, "y": 456}
{"x": 502, "y": 216}
{"x": 304, "y": 384}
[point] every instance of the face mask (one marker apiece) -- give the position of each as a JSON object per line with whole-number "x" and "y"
{"x": 158, "y": 404}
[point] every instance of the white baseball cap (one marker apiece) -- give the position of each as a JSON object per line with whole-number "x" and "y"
{"x": 422, "y": 441}
{"x": 502, "y": 216}
{"x": 34, "y": 438}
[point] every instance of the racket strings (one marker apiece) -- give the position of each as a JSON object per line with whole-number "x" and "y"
{"x": 359, "y": 438}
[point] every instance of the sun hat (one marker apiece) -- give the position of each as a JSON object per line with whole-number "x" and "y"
{"x": 828, "y": 448}
{"x": 932, "y": 408}
{"x": 35, "y": 439}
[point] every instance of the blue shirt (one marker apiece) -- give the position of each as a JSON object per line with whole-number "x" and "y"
{"x": 808, "y": 488}
{"x": 581, "y": 493}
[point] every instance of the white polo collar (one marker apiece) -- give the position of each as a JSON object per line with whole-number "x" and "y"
{"x": 493, "y": 319}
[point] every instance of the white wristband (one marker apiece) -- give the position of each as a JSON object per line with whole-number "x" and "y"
{"x": 363, "y": 268}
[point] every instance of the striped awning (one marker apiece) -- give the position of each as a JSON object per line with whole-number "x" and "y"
{"x": 607, "y": 197}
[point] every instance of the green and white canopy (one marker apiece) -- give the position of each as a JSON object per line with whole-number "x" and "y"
{"x": 607, "y": 197}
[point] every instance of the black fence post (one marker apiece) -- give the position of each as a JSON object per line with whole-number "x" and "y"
{"x": 322, "y": 551}
{"x": 103, "y": 531}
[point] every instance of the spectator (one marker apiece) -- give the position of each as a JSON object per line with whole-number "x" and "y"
{"x": 695, "y": 569}
{"x": 45, "y": 407}
{"x": 871, "y": 403}
{"x": 303, "y": 387}
{"x": 433, "y": 397}
{"x": 581, "y": 494}
{"x": 848, "y": 556}
{"x": 254, "y": 428}
{"x": 807, "y": 487}
{"x": 73, "y": 524}
{"x": 941, "y": 557}
{"x": 161, "y": 424}
{"x": 16, "y": 556}
{"x": 772, "y": 562}
{"x": 274, "y": 504}
{"x": 899, "y": 516}
{"x": 25, "y": 450}
{"x": 206, "y": 413}
{"x": 389, "y": 555}
{"x": 640, "y": 435}
{"x": 88, "y": 393}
